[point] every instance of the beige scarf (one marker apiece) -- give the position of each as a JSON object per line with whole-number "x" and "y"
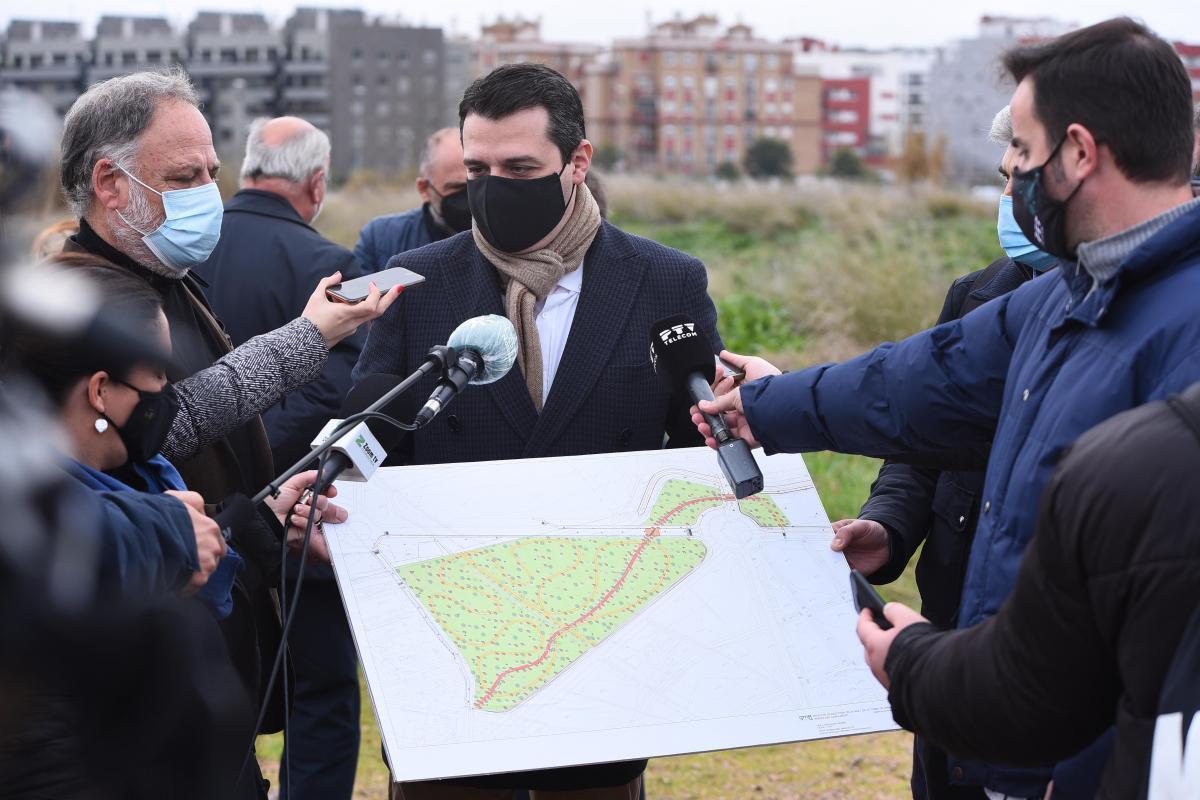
{"x": 532, "y": 276}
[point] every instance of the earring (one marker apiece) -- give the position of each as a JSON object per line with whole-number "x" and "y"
{"x": 101, "y": 425}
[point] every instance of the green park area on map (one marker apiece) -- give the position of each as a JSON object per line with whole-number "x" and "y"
{"x": 520, "y": 612}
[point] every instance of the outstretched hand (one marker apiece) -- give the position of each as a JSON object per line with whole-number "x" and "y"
{"x": 337, "y": 320}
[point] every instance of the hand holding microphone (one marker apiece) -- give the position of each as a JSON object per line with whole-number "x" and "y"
{"x": 683, "y": 360}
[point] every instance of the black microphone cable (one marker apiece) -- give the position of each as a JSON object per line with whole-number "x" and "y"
{"x": 277, "y": 666}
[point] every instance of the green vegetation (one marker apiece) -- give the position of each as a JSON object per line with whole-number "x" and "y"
{"x": 768, "y": 158}
{"x": 681, "y": 503}
{"x": 522, "y": 611}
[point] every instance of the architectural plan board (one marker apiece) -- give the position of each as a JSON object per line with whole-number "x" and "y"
{"x": 517, "y": 615}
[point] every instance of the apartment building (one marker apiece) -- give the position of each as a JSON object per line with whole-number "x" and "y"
{"x": 691, "y": 95}
{"x": 1190, "y": 53}
{"x": 846, "y": 118}
{"x": 387, "y": 94}
{"x": 460, "y": 60}
{"x": 47, "y": 59}
{"x": 898, "y": 96}
{"x": 517, "y": 40}
{"x": 967, "y": 87}
{"x": 131, "y": 44}
{"x": 234, "y": 61}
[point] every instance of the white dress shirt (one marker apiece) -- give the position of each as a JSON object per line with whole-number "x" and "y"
{"x": 553, "y": 316}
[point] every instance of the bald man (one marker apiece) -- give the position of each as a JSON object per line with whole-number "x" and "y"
{"x": 266, "y": 264}
{"x": 442, "y": 184}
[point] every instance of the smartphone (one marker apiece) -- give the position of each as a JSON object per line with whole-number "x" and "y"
{"x": 355, "y": 291}
{"x": 865, "y": 596}
{"x": 730, "y": 371}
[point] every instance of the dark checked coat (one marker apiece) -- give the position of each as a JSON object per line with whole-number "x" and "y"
{"x": 605, "y": 397}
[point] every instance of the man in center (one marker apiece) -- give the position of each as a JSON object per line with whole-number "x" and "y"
{"x": 582, "y": 295}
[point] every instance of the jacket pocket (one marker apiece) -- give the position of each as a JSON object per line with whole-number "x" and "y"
{"x": 953, "y": 503}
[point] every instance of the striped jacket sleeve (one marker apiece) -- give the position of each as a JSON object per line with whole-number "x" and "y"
{"x": 243, "y": 383}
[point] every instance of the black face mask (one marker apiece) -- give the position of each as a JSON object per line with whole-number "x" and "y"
{"x": 455, "y": 211}
{"x": 514, "y": 214}
{"x": 146, "y": 429}
{"x": 1041, "y": 218}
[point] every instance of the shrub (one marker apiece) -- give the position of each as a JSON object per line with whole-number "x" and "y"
{"x": 769, "y": 158}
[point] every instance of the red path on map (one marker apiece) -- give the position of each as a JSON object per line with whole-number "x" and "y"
{"x": 651, "y": 532}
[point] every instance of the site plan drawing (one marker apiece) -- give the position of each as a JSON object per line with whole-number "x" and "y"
{"x": 548, "y": 612}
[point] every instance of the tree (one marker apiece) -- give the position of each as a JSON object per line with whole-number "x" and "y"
{"x": 607, "y": 156}
{"x": 847, "y": 164}
{"x": 914, "y": 161}
{"x": 769, "y": 158}
{"x": 728, "y": 171}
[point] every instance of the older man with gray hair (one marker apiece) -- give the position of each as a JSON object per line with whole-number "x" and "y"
{"x": 139, "y": 170}
{"x": 259, "y": 276}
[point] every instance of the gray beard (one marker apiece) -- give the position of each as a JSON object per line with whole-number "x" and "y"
{"x": 140, "y": 215}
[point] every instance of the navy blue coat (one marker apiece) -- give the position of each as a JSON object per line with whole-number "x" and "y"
{"x": 1030, "y": 371}
{"x": 390, "y": 235}
{"x": 259, "y": 277}
{"x": 605, "y": 396}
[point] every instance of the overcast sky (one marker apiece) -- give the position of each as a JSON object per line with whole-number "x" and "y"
{"x": 849, "y": 22}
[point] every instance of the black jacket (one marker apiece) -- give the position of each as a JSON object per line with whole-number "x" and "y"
{"x": 259, "y": 278}
{"x": 1104, "y": 593}
{"x": 939, "y": 508}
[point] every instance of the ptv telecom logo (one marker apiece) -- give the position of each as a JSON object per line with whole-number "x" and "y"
{"x": 676, "y": 333}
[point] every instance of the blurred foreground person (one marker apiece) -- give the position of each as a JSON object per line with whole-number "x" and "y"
{"x": 1103, "y": 611}
{"x": 442, "y": 185}
{"x": 259, "y": 278}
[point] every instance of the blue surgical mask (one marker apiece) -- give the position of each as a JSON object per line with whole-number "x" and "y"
{"x": 1014, "y": 242}
{"x": 192, "y": 227}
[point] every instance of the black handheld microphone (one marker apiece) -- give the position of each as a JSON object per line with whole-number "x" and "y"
{"x": 486, "y": 348}
{"x": 684, "y": 361}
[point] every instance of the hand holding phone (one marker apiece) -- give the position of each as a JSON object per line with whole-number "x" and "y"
{"x": 355, "y": 291}
{"x": 865, "y": 596}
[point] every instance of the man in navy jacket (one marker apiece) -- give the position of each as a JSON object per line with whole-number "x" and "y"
{"x": 583, "y": 296}
{"x": 1102, "y": 129}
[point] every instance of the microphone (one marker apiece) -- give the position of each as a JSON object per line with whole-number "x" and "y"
{"x": 359, "y": 451}
{"x": 683, "y": 359}
{"x": 486, "y": 348}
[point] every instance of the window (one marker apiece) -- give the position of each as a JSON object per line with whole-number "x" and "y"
{"x": 403, "y": 85}
{"x": 668, "y": 106}
{"x": 750, "y": 63}
{"x": 59, "y": 59}
{"x": 842, "y": 95}
{"x": 669, "y": 81}
{"x": 772, "y": 61}
{"x": 669, "y": 58}
{"x": 430, "y": 58}
{"x": 688, "y": 82}
{"x": 228, "y": 56}
{"x": 128, "y": 58}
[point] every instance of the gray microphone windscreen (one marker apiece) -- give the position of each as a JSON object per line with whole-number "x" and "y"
{"x": 494, "y": 337}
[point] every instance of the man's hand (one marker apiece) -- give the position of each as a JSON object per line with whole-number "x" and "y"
{"x": 730, "y": 405}
{"x": 295, "y": 503}
{"x": 336, "y": 321}
{"x": 753, "y": 366}
{"x": 210, "y": 545}
{"x": 864, "y": 541}
{"x": 876, "y": 641}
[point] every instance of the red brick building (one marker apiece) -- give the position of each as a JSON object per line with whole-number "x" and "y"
{"x": 845, "y": 116}
{"x": 1190, "y": 53}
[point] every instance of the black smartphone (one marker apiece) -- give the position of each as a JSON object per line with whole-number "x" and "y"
{"x": 355, "y": 291}
{"x": 865, "y": 596}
